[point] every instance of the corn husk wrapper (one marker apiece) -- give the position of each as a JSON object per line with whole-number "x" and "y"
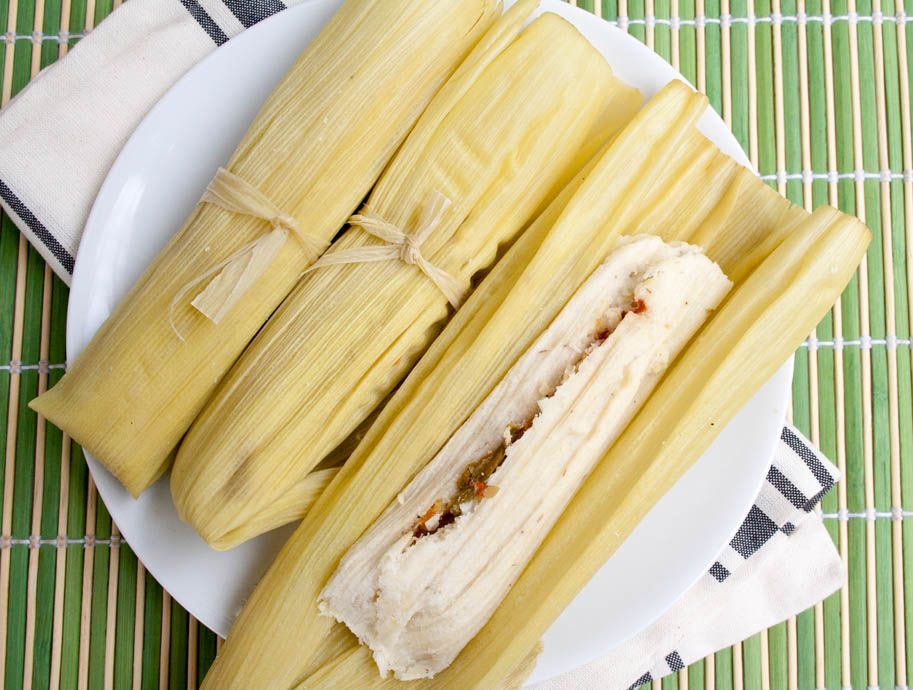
{"x": 630, "y": 180}
{"x": 314, "y": 150}
{"x": 493, "y": 144}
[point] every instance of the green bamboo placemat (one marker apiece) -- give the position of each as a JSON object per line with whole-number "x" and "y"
{"x": 818, "y": 94}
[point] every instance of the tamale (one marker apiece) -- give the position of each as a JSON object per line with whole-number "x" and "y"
{"x": 493, "y": 144}
{"x": 279, "y": 629}
{"x": 741, "y": 346}
{"x": 314, "y": 150}
{"x": 424, "y": 578}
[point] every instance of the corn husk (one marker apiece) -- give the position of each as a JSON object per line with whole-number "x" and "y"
{"x": 495, "y": 145}
{"x": 314, "y": 150}
{"x": 280, "y": 628}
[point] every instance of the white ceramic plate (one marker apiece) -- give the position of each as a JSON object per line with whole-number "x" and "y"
{"x": 156, "y": 181}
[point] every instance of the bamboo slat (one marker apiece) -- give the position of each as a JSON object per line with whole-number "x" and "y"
{"x": 900, "y": 670}
{"x": 111, "y": 616}
{"x": 87, "y": 577}
{"x": 676, "y": 61}
{"x": 138, "y": 630}
{"x": 864, "y": 329}
{"x": 701, "y": 37}
{"x": 166, "y": 642}
{"x": 192, "y": 653}
{"x": 726, "y": 59}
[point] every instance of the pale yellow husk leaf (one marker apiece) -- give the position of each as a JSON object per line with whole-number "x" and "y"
{"x": 315, "y": 149}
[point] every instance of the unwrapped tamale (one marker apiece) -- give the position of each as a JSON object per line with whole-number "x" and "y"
{"x": 425, "y": 577}
{"x": 493, "y": 143}
{"x": 656, "y": 166}
{"x": 313, "y": 152}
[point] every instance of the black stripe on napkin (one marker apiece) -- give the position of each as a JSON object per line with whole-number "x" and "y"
{"x": 205, "y": 21}
{"x": 37, "y": 227}
{"x": 808, "y": 457}
{"x": 249, "y": 13}
{"x": 645, "y": 678}
{"x": 719, "y": 571}
{"x": 675, "y": 662}
{"x": 782, "y": 484}
{"x": 754, "y": 532}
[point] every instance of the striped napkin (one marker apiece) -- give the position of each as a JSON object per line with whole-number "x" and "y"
{"x": 61, "y": 134}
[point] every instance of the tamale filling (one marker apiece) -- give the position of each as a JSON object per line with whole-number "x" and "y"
{"x": 472, "y": 485}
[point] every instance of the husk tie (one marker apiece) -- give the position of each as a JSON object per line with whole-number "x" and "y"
{"x": 402, "y": 246}
{"x": 234, "y": 275}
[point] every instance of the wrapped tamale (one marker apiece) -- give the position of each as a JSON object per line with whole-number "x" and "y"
{"x": 655, "y": 167}
{"x": 488, "y": 151}
{"x": 425, "y": 577}
{"x": 311, "y": 155}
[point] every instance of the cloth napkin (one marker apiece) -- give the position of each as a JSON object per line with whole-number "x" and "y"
{"x": 59, "y": 137}
{"x": 781, "y": 561}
